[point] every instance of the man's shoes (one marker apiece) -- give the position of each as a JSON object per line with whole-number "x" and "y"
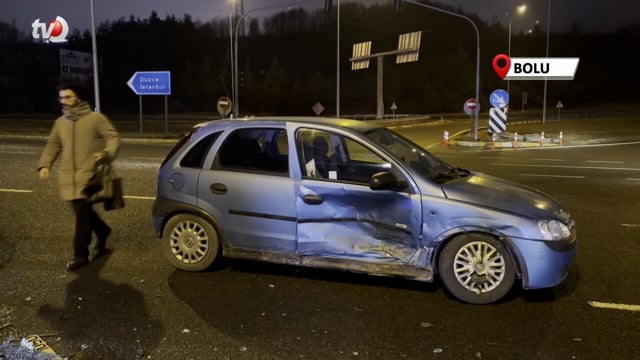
{"x": 102, "y": 240}
{"x": 76, "y": 263}
{"x": 100, "y": 252}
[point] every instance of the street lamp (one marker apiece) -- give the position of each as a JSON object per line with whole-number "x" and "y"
{"x": 544, "y": 97}
{"x": 236, "y": 97}
{"x": 397, "y": 5}
{"x": 534, "y": 26}
{"x": 519, "y": 10}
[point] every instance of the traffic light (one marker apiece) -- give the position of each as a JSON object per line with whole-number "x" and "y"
{"x": 397, "y": 4}
{"x": 328, "y": 5}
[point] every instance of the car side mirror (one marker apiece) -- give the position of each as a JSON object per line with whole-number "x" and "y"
{"x": 386, "y": 181}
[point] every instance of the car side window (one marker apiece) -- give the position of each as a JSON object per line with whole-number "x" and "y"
{"x": 194, "y": 158}
{"x": 334, "y": 157}
{"x": 255, "y": 150}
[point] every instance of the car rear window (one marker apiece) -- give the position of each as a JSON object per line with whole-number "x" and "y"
{"x": 196, "y": 155}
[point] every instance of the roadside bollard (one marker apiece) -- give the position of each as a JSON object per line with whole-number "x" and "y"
{"x": 542, "y": 139}
{"x": 493, "y": 141}
{"x": 445, "y": 139}
{"x": 515, "y": 141}
{"x": 561, "y": 141}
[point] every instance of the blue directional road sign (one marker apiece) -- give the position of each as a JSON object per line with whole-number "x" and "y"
{"x": 151, "y": 83}
{"x": 499, "y": 98}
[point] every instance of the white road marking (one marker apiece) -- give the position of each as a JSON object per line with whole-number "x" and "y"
{"x": 631, "y": 225}
{"x": 129, "y": 164}
{"x": 555, "y": 176}
{"x": 146, "y": 158}
{"x": 604, "y": 305}
{"x": 632, "y": 179}
{"x": 605, "y": 161}
{"x": 125, "y": 196}
{"x": 570, "y": 167}
{"x": 559, "y": 160}
{"x": 139, "y": 197}
{"x": 18, "y": 152}
{"x": 586, "y": 145}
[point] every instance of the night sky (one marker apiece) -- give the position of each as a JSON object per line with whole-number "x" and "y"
{"x": 591, "y": 15}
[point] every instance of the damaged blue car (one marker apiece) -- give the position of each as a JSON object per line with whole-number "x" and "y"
{"x": 351, "y": 195}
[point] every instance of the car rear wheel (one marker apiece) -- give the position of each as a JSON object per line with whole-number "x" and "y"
{"x": 190, "y": 242}
{"x": 476, "y": 268}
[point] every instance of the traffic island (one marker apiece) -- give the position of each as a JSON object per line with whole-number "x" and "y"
{"x": 504, "y": 141}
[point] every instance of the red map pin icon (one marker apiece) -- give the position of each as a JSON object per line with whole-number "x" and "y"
{"x": 501, "y": 70}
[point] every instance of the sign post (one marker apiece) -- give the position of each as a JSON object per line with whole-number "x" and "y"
{"x": 559, "y": 106}
{"x": 317, "y": 108}
{"x": 498, "y": 114}
{"x": 408, "y": 51}
{"x": 152, "y": 83}
{"x": 471, "y": 107}
{"x": 224, "y": 105}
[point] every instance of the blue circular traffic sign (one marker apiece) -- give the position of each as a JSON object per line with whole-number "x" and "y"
{"x": 499, "y": 98}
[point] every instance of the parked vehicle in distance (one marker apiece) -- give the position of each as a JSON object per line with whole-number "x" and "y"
{"x": 350, "y": 195}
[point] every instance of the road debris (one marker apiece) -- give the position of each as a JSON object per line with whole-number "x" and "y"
{"x": 31, "y": 347}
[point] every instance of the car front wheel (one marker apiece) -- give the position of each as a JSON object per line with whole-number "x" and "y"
{"x": 190, "y": 242}
{"x": 476, "y": 268}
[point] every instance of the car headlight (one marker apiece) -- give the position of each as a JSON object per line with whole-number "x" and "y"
{"x": 553, "y": 229}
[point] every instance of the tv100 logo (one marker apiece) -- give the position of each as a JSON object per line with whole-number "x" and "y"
{"x": 54, "y": 31}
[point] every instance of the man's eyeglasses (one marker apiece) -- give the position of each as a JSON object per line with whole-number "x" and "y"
{"x": 67, "y": 97}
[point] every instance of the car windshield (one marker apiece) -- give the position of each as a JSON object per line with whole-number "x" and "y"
{"x": 420, "y": 160}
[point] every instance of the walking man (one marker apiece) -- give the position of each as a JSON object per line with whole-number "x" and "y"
{"x": 80, "y": 137}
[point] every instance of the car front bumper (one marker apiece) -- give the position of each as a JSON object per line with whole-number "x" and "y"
{"x": 544, "y": 264}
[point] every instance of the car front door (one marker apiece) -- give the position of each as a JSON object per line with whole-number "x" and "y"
{"x": 339, "y": 215}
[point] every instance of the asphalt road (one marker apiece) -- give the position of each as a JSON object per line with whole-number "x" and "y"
{"x": 132, "y": 304}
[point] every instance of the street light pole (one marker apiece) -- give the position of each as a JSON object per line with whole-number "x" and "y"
{"x": 94, "y": 47}
{"x": 231, "y": 51}
{"x": 475, "y": 122}
{"x": 519, "y": 10}
{"x": 544, "y": 96}
{"x": 509, "y": 53}
{"x": 236, "y": 97}
{"x": 338, "y": 60}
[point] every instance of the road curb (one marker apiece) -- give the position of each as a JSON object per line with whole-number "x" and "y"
{"x": 500, "y": 144}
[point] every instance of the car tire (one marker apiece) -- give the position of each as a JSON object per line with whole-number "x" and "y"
{"x": 190, "y": 242}
{"x": 476, "y": 268}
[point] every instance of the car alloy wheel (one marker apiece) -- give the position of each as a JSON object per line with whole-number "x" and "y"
{"x": 190, "y": 242}
{"x": 477, "y": 268}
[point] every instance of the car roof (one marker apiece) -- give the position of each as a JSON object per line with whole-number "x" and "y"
{"x": 356, "y": 125}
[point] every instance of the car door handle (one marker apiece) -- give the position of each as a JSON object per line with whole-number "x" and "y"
{"x": 312, "y": 199}
{"x": 218, "y": 189}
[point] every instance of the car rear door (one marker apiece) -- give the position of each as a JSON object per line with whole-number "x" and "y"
{"x": 249, "y": 192}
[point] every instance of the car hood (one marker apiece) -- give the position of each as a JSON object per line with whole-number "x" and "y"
{"x": 505, "y": 195}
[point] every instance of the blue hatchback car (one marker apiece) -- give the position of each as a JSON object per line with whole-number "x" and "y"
{"x": 350, "y": 195}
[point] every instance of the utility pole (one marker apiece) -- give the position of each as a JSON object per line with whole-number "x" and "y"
{"x": 397, "y": 5}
